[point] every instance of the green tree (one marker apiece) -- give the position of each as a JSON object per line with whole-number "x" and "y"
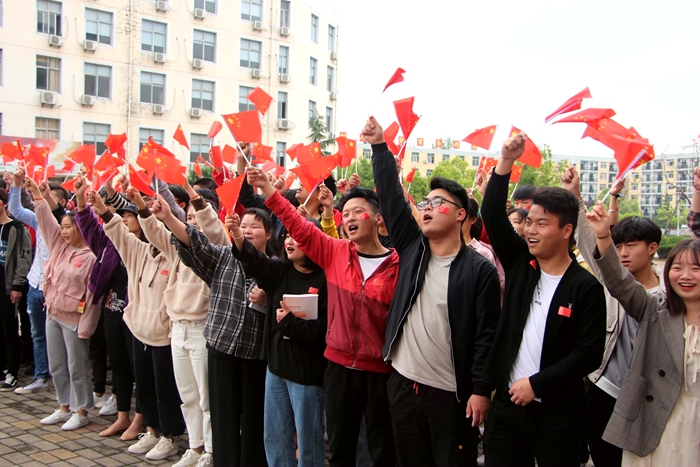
{"x": 318, "y": 133}
{"x": 549, "y": 173}
{"x": 364, "y": 170}
{"x": 419, "y": 188}
{"x": 629, "y": 207}
{"x": 447, "y": 143}
{"x": 192, "y": 175}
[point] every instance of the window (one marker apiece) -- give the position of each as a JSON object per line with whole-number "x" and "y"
{"x": 445, "y": 157}
{"x": 243, "y": 102}
{"x": 312, "y": 110}
{"x": 47, "y": 128}
{"x": 206, "y": 5}
{"x": 48, "y": 17}
{"x": 0, "y": 60}
{"x": 251, "y": 10}
{"x": 250, "y": 53}
{"x": 152, "y": 88}
{"x": 204, "y": 45}
{"x": 282, "y": 105}
{"x": 475, "y": 160}
{"x": 144, "y": 133}
{"x": 414, "y": 157}
{"x": 199, "y": 146}
{"x": 283, "y": 59}
{"x": 366, "y": 153}
{"x": 153, "y": 36}
{"x": 1, "y": 18}
{"x": 431, "y": 158}
{"x": 329, "y": 119}
{"x": 98, "y": 80}
{"x": 314, "y": 28}
{"x": 603, "y": 165}
{"x": 330, "y": 82}
{"x": 98, "y": 26}
{"x": 96, "y": 133}
{"x": 285, "y": 14}
{"x": 313, "y": 67}
{"x": 48, "y": 73}
{"x": 280, "y": 149}
{"x": 331, "y": 38}
{"x": 429, "y": 172}
{"x": 202, "y": 94}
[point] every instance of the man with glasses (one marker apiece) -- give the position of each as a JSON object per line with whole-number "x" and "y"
{"x": 442, "y": 320}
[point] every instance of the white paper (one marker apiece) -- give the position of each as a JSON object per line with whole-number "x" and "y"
{"x": 303, "y": 306}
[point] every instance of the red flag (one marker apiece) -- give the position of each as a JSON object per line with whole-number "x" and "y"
{"x": 419, "y": 142}
{"x": 260, "y": 99}
{"x": 12, "y": 151}
{"x": 68, "y": 165}
{"x": 146, "y": 159}
{"x": 515, "y": 173}
{"x": 205, "y": 162}
{"x": 216, "y": 157}
{"x": 481, "y": 137}
{"x": 271, "y": 166}
{"x": 104, "y": 177}
{"x": 455, "y": 144}
{"x": 438, "y": 143}
{"x": 171, "y": 174}
{"x": 214, "y": 130}
{"x": 309, "y": 177}
{"x": 115, "y": 143}
{"x": 290, "y": 179}
{"x": 179, "y": 136}
{"x": 531, "y": 156}
{"x": 309, "y": 154}
{"x": 70, "y": 184}
{"x": 85, "y": 155}
{"x": 159, "y": 147}
{"x": 229, "y": 191}
{"x": 573, "y": 103}
{"x": 197, "y": 168}
{"x": 292, "y": 150}
{"x": 244, "y": 126}
{"x": 411, "y": 174}
{"x": 587, "y": 115}
{"x": 346, "y": 151}
{"x": 390, "y": 135}
{"x": 401, "y": 140}
{"x": 344, "y": 134}
{"x": 261, "y": 151}
{"x": 486, "y": 164}
{"x": 38, "y": 155}
{"x": 397, "y": 77}
{"x": 229, "y": 154}
{"x": 139, "y": 183}
{"x": 107, "y": 162}
{"x": 404, "y": 114}
{"x": 630, "y": 153}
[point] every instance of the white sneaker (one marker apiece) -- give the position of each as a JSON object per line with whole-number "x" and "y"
{"x": 110, "y": 407}
{"x": 166, "y": 447}
{"x": 145, "y": 443}
{"x": 99, "y": 401}
{"x": 38, "y": 384}
{"x": 75, "y": 422}
{"x": 189, "y": 459}
{"x": 205, "y": 460}
{"x": 59, "y": 416}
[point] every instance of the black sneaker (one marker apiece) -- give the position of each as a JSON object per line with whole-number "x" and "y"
{"x": 10, "y": 383}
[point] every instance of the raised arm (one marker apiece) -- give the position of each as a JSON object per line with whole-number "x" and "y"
{"x": 155, "y": 231}
{"x": 86, "y": 221}
{"x": 19, "y": 212}
{"x": 198, "y": 253}
{"x": 209, "y": 222}
{"x": 178, "y": 228}
{"x": 169, "y": 198}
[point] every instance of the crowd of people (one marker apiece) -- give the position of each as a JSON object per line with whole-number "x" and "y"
{"x": 541, "y": 327}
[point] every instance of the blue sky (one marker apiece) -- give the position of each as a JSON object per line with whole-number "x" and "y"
{"x": 476, "y": 63}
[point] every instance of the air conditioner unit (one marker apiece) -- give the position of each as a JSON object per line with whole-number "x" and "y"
{"x": 334, "y": 55}
{"x": 200, "y": 13}
{"x": 158, "y": 109}
{"x": 197, "y": 63}
{"x": 90, "y": 45}
{"x": 284, "y": 124}
{"x": 162, "y": 6}
{"x": 284, "y": 77}
{"x": 159, "y": 57}
{"x": 285, "y": 31}
{"x": 257, "y": 73}
{"x": 195, "y": 113}
{"x": 56, "y": 40}
{"x": 334, "y": 96}
{"x": 88, "y": 100}
{"x": 48, "y": 97}
{"x": 258, "y": 26}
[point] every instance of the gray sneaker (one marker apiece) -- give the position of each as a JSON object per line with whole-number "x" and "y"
{"x": 39, "y": 384}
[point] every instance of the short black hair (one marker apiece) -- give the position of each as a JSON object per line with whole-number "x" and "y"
{"x": 561, "y": 203}
{"x": 180, "y": 195}
{"x": 522, "y": 213}
{"x": 205, "y": 182}
{"x": 3, "y": 196}
{"x": 61, "y": 190}
{"x": 453, "y": 188}
{"x": 636, "y": 229}
{"x": 472, "y": 209}
{"x": 330, "y": 184}
{"x": 210, "y": 197}
{"x": 271, "y": 247}
{"x": 291, "y": 196}
{"x": 364, "y": 193}
{"x": 524, "y": 192}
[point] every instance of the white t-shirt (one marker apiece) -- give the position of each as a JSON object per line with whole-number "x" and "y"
{"x": 527, "y": 362}
{"x": 369, "y": 264}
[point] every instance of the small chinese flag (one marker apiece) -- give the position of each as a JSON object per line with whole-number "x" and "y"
{"x": 70, "y": 184}
{"x": 573, "y": 103}
{"x": 401, "y": 140}
{"x": 344, "y": 134}
{"x": 179, "y": 136}
{"x": 38, "y": 155}
{"x": 515, "y": 173}
{"x": 12, "y": 151}
{"x": 346, "y": 151}
{"x": 216, "y": 157}
{"x": 260, "y": 99}
{"x": 214, "y": 129}
{"x": 419, "y": 142}
{"x": 229, "y": 191}
{"x": 531, "y": 156}
{"x": 455, "y": 144}
{"x": 261, "y": 151}
{"x": 474, "y": 147}
{"x": 405, "y": 115}
{"x": 197, "y": 168}
{"x": 138, "y": 182}
{"x": 244, "y": 126}
{"x": 205, "y": 162}
{"x": 229, "y": 154}
{"x": 389, "y": 137}
{"x": 588, "y": 116}
{"x": 411, "y": 174}
{"x": 115, "y": 143}
{"x": 438, "y": 143}
{"x": 292, "y": 150}
{"x": 397, "y": 77}
{"x": 481, "y": 137}
{"x": 107, "y": 162}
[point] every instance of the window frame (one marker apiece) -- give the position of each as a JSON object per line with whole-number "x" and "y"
{"x": 141, "y": 84}
{"x": 198, "y": 140}
{"x": 97, "y": 80}
{"x": 49, "y": 68}
{"x": 287, "y": 15}
{"x": 53, "y": 17}
{"x": 313, "y": 109}
{"x": 99, "y": 145}
{"x": 153, "y": 34}
{"x": 99, "y": 23}
{"x": 204, "y": 5}
{"x": 281, "y": 155}
{"x": 282, "y": 104}
{"x": 313, "y": 71}
{"x": 143, "y": 141}
{"x": 330, "y": 79}
{"x": 250, "y": 17}
{"x": 46, "y": 129}
{"x": 332, "y": 34}
{"x": 314, "y": 28}
{"x": 241, "y": 49}
{"x": 244, "y": 103}
{"x": 204, "y": 44}
{"x": 329, "y": 119}
{"x": 202, "y": 92}
{"x": 281, "y": 57}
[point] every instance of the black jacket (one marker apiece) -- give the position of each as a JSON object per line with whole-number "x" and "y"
{"x": 473, "y": 291}
{"x": 572, "y": 347}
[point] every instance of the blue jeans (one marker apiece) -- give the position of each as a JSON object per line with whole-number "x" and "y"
{"x": 291, "y": 407}
{"x": 37, "y": 316}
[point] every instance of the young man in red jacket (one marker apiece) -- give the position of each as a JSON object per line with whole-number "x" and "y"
{"x": 361, "y": 277}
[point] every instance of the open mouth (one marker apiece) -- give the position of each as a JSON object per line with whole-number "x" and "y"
{"x": 291, "y": 250}
{"x": 352, "y": 228}
{"x": 427, "y": 218}
{"x": 686, "y": 285}
{"x": 532, "y": 241}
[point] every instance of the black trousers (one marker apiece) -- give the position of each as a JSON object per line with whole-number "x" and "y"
{"x": 160, "y": 400}
{"x": 11, "y": 346}
{"x": 25, "y": 327}
{"x": 98, "y": 357}
{"x": 120, "y": 345}
{"x": 599, "y": 409}
{"x": 513, "y": 437}
{"x": 236, "y": 405}
{"x": 349, "y": 394}
{"x": 430, "y": 425}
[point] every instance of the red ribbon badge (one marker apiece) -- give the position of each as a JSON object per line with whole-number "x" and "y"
{"x": 564, "y": 311}
{"x": 533, "y": 263}
{"x": 313, "y": 290}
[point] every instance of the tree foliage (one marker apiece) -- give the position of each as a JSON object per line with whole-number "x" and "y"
{"x": 318, "y": 133}
{"x": 446, "y": 144}
{"x": 192, "y": 175}
{"x": 549, "y": 173}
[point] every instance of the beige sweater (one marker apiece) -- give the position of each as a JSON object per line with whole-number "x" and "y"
{"x": 148, "y": 270}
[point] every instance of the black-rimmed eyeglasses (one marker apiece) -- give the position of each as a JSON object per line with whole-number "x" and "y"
{"x": 435, "y": 203}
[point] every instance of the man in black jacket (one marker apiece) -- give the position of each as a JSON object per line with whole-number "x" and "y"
{"x": 552, "y": 328}
{"x": 441, "y": 322}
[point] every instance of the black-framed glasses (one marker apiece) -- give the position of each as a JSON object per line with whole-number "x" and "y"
{"x": 435, "y": 203}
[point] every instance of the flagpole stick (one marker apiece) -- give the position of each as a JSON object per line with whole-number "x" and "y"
{"x": 514, "y": 188}
{"x": 357, "y": 161}
{"x": 408, "y": 190}
{"x": 308, "y": 198}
